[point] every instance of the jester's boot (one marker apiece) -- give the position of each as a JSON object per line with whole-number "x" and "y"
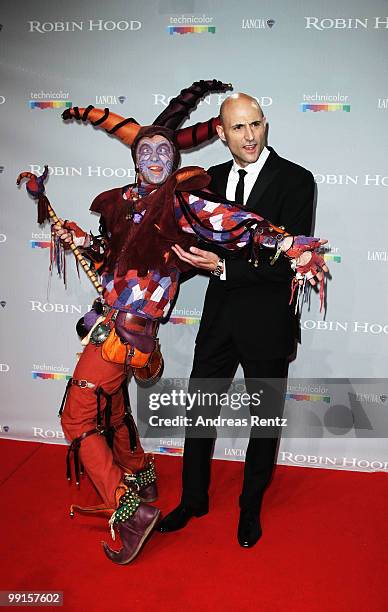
{"x": 134, "y": 521}
{"x": 146, "y": 481}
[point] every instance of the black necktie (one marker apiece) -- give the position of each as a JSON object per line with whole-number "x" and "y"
{"x": 239, "y": 195}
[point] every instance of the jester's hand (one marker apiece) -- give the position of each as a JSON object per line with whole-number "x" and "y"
{"x": 301, "y": 244}
{"x": 35, "y": 185}
{"x": 310, "y": 266}
{"x": 68, "y": 232}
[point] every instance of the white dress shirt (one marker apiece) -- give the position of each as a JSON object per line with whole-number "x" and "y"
{"x": 253, "y": 171}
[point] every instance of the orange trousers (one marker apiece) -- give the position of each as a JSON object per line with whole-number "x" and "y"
{"x": 104, "y": 466}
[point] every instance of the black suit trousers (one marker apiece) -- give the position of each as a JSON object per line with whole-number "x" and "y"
{"x": 217, "y": 356}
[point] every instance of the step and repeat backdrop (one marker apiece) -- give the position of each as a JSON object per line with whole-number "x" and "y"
{"x": 320, "y": 74}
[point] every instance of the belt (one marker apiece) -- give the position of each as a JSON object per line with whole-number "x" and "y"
{"x": 84, "y": 384}
{"x": 130, "y": 321}
{"x": 138, "y": 331}
{"x": 131, "y": 318}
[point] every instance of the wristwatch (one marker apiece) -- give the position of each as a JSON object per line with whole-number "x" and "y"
{"x": 218, "y": 270}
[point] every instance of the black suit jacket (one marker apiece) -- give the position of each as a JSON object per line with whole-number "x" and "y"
{"x": 256, "y": 300}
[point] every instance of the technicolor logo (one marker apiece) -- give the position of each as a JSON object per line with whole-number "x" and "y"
{"x": 49, "y": 104}
{"x": 308, "y": 393}
{"x": 49, "y": 99}
{"x": 191, "y": 29}
{"x": 191, "y": 24}
{"x": 327, "y": 108}
{"x": 327, "y": 103}
{"x": 40, "y": 244}
{"x": 50, "y": 376}
{"x": 332, "y": 257}
{"x": 184, "y": 320}
{"x": 170, "y": 450}
{"x": 40, "y": 240}
{"x": 185, "y": 316}
{"x": 331, "y": 254}
{"x": 308, "y": 397}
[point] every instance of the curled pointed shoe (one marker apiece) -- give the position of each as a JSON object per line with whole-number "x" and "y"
{"x": 133, "y": 532}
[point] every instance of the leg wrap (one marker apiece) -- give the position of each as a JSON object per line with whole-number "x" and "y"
{"x": 103, "y": 427}
{"x": 146, "y": 476}
{"x": 128, "y": 504}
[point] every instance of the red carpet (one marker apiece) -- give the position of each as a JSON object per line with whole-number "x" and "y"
{"x": 324, "y": 547}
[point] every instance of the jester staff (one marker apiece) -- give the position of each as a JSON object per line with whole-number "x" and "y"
{"x": 35, "y": 187}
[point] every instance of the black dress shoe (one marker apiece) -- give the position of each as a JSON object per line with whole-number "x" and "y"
{"x": 249, "y": 529}
{"x": 178, "y": 518}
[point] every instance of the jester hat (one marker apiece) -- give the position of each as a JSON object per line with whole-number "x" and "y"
{"x": 166, "y": 124}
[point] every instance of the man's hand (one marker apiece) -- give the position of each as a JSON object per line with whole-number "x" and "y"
{"x": 206, "y": 260}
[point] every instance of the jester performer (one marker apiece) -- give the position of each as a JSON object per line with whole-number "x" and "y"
{"x": 139, "y": 271}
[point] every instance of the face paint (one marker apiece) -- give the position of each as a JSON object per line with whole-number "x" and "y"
{"x": 154, "y": 158}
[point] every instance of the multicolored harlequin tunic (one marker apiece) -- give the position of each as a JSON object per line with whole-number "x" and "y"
{"x": 150, "y": 294}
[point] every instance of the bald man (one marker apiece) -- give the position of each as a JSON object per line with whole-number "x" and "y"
{"x": 246, "y": 316}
